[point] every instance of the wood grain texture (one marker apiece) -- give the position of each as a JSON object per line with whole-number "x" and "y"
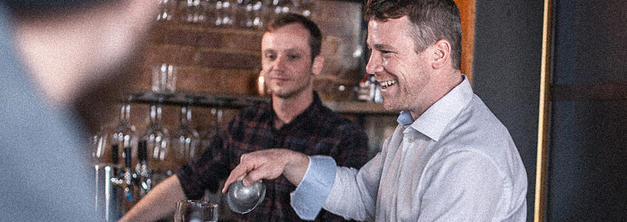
{"x": 467, "y": 12}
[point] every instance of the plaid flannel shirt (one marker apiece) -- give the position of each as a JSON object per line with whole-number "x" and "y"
{"x": 316, "y": 131}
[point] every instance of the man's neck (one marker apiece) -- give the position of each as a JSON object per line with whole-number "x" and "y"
{"x": 438, "y": 89}
{"x": 286, "y": 109}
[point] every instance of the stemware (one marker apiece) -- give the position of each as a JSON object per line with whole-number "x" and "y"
{"x": 160, "y": 158}
{"x": 98, "y": 144}
{"x": 124, "y": 134}
{"x": 143, "y": 180}
{"x": 214, "y": 126}
{"x": 186, "y": 139}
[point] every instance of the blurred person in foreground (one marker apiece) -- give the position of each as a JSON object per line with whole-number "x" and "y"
{"x": 52, "y": 53}
{"x": 294, "y": 119}
{"x": 449, "y": 159}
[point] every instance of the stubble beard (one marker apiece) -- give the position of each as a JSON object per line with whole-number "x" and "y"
{"x": 398, "y": 102}
{"x": 291, "y": 93}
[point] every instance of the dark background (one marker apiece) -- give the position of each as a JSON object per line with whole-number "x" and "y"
{"x": 587, "y": 176}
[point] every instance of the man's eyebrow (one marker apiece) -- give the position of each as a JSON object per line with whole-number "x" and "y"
{"x": 294, "y": 50}
{"x": 269, "y": 51}
{"x": 290, "y": 50}
{"x": 384, "y": 47}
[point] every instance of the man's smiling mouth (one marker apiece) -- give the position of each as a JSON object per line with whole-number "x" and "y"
{"x": 386, "y": 84}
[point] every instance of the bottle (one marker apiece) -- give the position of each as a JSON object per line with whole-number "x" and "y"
{"x": 115, "y": 159}
{"x": 363, "y": 92}
{"x": 113, "y": 198}
{"x": 127, "y": 184}
{"x": 375, "y": 89}
{"x": 142, "y": 170}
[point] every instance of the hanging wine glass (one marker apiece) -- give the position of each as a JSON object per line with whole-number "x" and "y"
{"x": 186, "y": 139}
{"x": 160, "y": 158}
{"x": 124, "y": 134}
{"x": 214, "y": 126}
{"x": 99, "y": 143}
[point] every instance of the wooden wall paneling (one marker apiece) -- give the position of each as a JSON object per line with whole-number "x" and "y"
{"x": 467, "y": 12}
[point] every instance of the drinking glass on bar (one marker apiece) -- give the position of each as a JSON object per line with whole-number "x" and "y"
{"x": 195, "y": 211}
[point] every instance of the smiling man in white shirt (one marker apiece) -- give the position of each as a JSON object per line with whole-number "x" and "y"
{"x": 449, "y": 159}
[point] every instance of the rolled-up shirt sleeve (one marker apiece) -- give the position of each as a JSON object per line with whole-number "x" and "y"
{"x": 312, "y": 192}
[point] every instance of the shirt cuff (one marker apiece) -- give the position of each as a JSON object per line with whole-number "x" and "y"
{"x": 311, "y": 193}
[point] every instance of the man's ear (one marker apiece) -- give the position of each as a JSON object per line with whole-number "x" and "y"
{"x": 441, "y": 54}
{"x": 318, "y": 64}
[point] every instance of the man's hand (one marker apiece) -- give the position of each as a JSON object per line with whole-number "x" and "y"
{"x": 269, "y": 164}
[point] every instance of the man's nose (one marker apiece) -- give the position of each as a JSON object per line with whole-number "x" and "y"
{"x": 280, "y": 61}
{"x": 374, "y": 63}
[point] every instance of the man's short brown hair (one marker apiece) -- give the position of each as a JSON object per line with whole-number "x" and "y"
{"x": 315, "y": 36}
{"x": 433, "y": 20}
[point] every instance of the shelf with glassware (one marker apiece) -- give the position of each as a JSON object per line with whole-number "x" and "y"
{"x": 243, "y": 14}
{"x": 240, "y": 101}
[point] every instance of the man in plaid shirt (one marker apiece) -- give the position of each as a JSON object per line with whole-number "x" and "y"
{"x": 295, "y": 119}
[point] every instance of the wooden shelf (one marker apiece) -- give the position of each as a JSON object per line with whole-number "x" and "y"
{"x": 209, "y": 29}
{"x": 358, "y": 107}
{"x": 241, "y": 101}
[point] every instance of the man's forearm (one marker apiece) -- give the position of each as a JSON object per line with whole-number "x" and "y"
{"x": 160, "y": 202}
{"x": 296, "y": 168}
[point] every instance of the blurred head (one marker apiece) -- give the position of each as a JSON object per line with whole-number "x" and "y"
{"x": 70, "y": 46}
{"x": 432, "y": 20}
{"x": 290, "y": 56}
{"x": 78, "y": 52}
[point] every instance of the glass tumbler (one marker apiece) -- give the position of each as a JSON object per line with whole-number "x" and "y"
{"x": 164, "y": 78}
{"x": 195, "y": 211}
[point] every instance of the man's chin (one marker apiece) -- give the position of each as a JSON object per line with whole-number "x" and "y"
{"x": 392, "y": 106}
{"x": 281, "y": 94}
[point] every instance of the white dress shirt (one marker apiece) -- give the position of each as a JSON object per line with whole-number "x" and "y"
{"x": 456, "y": 162}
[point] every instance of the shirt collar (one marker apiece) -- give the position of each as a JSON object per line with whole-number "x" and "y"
{"x": 435, "y": 119}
